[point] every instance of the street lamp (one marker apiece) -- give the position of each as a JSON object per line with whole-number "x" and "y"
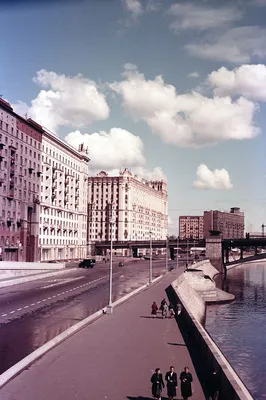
{"x": 110, "y": 304}
{"x": 262, "y": 229}
{"x": 177, "y": 244}
{"x": 187, "y": 251}
{"x": 150, "y": 275}
{"x": 166, "y": 255}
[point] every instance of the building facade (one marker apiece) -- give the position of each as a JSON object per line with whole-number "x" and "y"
{"x": 137, "y": 207}
{"x": 20, "y": 180}
{"x": 230, "y": 224}
{"x": 64, "y": 201}
{"x": 191, "y": 227}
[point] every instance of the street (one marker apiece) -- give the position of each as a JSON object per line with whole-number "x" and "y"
{"x": 35, "y": 312}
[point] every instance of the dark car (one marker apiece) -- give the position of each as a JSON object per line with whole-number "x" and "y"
{"x": 87, "y": 263}
{"x": 121, "y": 264}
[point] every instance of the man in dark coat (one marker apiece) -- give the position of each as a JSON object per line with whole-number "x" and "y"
{"x": 186, "y": 380}
{"x": 171, "y": 381}
{"x": 213, "y": 386}
{"x": 157, "y": 384}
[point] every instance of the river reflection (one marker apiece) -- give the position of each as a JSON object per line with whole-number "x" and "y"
{"x": 239, "y": 328}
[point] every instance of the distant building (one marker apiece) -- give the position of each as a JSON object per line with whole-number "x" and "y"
{"x": 20, "y": 180}
{"x": 137, "y": 206}
{"x": 191, "y": 227}
{"x": 64, "y": 202}
{"x": 230, "y": 224}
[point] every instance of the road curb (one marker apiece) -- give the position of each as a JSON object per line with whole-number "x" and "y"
{"x": 30, "y": 278}
{"x": 35, "y": 355}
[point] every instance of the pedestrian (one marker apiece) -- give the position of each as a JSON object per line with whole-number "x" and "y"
{"x": 157, "y": 384}
{"x": 213, "y": 386}
{"x": 154, "y": 309}
{"x": 171, "y": 382}
{"x": 164, "y": 310}
{"x": 171, "y": 310}
{"x": 186, "y": 380}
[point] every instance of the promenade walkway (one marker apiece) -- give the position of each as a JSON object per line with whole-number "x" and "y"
{"x": 111, "y": 359}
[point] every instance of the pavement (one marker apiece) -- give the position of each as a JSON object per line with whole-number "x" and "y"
{"x": 112, "y": 359}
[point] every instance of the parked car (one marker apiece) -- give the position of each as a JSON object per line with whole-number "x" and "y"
{"x": 87, "y": 263}
{"x": 121, "y": 264}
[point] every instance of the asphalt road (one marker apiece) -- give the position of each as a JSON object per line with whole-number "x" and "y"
{"x": 35, "y": 312}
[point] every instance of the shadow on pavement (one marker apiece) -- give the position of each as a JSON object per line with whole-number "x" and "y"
{"x": 199, "y": 363}
{"x": 177, "y": 344}
{"x": 145, "y": 316}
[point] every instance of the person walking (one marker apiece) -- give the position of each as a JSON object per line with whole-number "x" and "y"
{"x": 157, "y": 384}
{"x": 186, "y": 380}
{"x": 164, "y": 308}
{"x": 171, "y": 310}
{"x": 213, "y": 385}
{"x": 171, "y": 382}
{"x": 154, "y": 309}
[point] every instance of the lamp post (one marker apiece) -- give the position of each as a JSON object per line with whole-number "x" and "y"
{"x": 166, "y": 254}
{"x": 150, "y": 274}
{"x": 110, "y": 304}
{"x": 177, "y": 244}
{"x": 187, "y": 251}
{"x": 262, "y": 229}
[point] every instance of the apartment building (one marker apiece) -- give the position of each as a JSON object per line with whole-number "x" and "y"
{"x": 230, "y": 224}
{"x": 64, "y": 200}
{"x": 137, "y": 206}
{"x": 20, "y": 179}
{"x": 191, "y": 227}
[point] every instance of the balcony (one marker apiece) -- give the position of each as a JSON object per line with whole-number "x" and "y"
{"x": 31, "y": 170}
{"x": 39, "y": 173}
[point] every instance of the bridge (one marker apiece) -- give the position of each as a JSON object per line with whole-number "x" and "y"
{"x": 247, "y": 244}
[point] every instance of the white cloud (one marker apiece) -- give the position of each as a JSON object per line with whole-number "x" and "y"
{"x": 193, "y": 75}
{"x": 217, "y": 179}
{"x": 115, "y": 149}
{"x": 21, "y": 108}
{"x": 236, "y": 45}
{"x": 247, "y": 80}
{"x": 187, "y": 120}
{"x": 155, "y": 174}
{"x": 134, "y": 7}
{"x": 201, "y": 17}
{"x": 68, "y": 101}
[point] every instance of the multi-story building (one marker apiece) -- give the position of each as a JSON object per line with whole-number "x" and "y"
{"x": 230, "y": 224}
{"x": 64, "y": 201}
{"x": 20, "y": 171}
{"x": 191, "y": 227}
{"x": 139, "y": 207}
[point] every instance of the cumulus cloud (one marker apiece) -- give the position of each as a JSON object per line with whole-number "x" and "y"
{"x": 134, "y": 7}
{"x": 202, "y": 17}
{"x": 68, "y": 101}
{"x": 155, "y": 174}
{"x": 247, "y": 80}
{"x": 110, "y": 150}
{"x": 185, "y": 120}
{"x": 193, "y": 75}
{"x": 207, "y": 179}
{"x": 236, "y": 45}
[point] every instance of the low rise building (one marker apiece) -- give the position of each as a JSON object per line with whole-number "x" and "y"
{"x": 64, "y": 201}
{"x": 230, "y": 224}
{"x": 139, "y": 208}
{"x": 191, "y": 227}
{"x": 20, "y": 181}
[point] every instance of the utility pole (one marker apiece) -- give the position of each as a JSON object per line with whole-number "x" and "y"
{"x": 110, "y": 304}
{"x": 150, "y": 274}
{"x": 177, "y": 244}
{"x": 166, "y": 254}
{"x": 187, "y": 251}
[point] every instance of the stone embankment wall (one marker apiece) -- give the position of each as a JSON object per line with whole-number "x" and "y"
{"x": 204, "y": 352}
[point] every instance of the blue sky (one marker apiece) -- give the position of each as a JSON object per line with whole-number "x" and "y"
{"x": 116, "y": 75}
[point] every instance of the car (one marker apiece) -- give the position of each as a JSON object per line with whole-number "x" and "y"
{"x": 87, "y": 263}
{"x": 121, "y": 264}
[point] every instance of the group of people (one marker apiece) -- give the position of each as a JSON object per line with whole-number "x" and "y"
{"x": 213, "y": 384}
{"x": 171, "y": 383}
{"x": 164, "y": 308}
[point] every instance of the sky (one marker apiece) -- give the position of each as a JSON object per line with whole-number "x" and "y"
{"x": 170, "y": 89}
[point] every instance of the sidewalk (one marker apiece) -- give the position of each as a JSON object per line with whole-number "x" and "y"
{"x": 112, "y": 359}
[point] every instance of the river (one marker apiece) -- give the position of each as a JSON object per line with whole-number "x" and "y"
{"x": 239, "y": 328}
